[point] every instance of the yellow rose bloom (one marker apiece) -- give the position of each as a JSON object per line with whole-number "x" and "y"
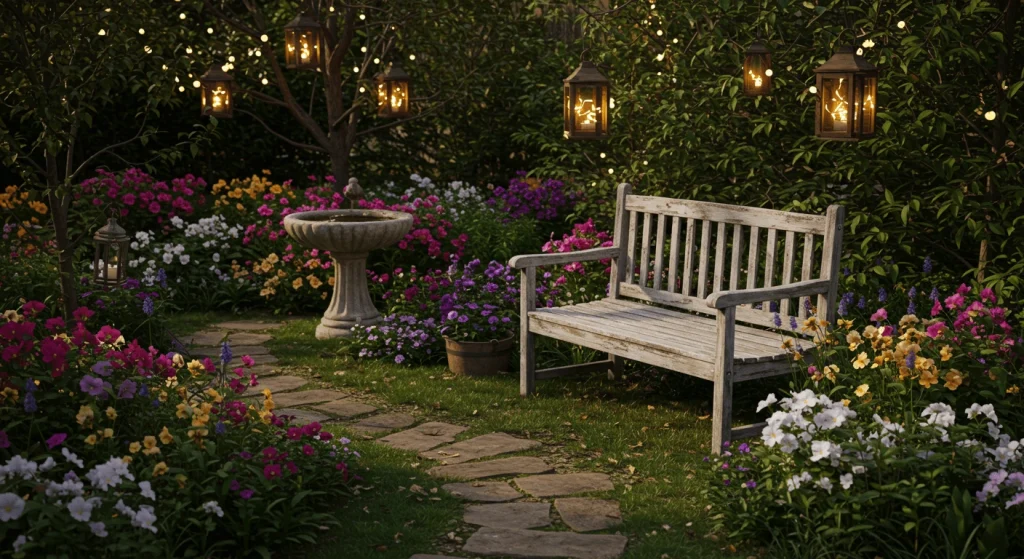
{"x": 861, "y": 361}
{"x": 166, "y": 437}
{"x": 862, "y": 390}
{"x": 184, "y": 410}
{"x": 212, "y": 393}
{"x": 160, "y": 469}
{"x": 111, "y": 413}
{"x": 954, "y": 379}
{"x": 276, "y": 189}
{"x": 134, "y": 447}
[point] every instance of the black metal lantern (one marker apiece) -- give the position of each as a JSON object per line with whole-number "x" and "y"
{"x": 757, "y": 70}
{"x": 585, "y": 103}
{"x": 302, "y": 39}
{"x": 847, "y": 92}
{"x": 393, "y": 93}
{"x": 109, "y": 267}
{"x": 216, "y": 87}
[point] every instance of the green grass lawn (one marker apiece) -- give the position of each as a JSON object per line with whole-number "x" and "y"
{"x": 649, "y": 430}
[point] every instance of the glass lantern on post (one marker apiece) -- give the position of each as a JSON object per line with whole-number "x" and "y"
{"x": 216, "y": 87}
{"x": 109, "y": 266}
{"x": 847, "y": 93}
{"x": 585, "y": 103}
{"x": 757, "y": 70}
{"x": 393, "y": 93}
{"x": 302, "y": 39}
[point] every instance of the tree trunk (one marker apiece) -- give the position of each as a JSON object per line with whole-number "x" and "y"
{"x": 339, "y": 165}
{"x": 59, "y": 206}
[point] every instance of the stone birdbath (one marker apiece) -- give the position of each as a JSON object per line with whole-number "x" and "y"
{"x": 349, "y": 235}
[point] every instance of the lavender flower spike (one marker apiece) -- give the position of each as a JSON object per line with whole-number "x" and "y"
{"x": 225, "y": 353}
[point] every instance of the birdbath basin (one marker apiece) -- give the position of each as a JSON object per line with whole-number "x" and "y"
{"x": 349, "y": 235}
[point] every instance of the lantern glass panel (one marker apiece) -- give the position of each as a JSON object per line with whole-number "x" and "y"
{"x": 835, "y": 99}
{"x": 865, "y": 91}
{"x": 757, "y": 78}
{"x": 567, "y": 110}
{"x": 217, "y": 99}
{"x": 586, "y": 108}
{"x": 399, "y": 98}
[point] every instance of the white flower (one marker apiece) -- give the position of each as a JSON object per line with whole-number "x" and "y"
{"x": 781, "y": 419}
{"x": 65, "y": 488}
{"x": 99, "y": 529}
{"x": 796, "y": 481}
{"x": 829, "y": 419}
{"x": 820, "y": 450}
{"x": 168, "y": 257}
{"x": 177, "y": 222}
{"x": 184, "y": 258}
{"x": 771, "y": 435}
{"x": 146, "y": 489}
{"x": 846, "y": 480}
{"x": 81, "y": 509}
{"x": 859, "y": 470}
{"x": 20, "y": 542}
{"x": 19, "y": 466}
{"x": 789, "y": 444}
{"x": 987, "y": 410}
{"x": 804, "y": 399}
{"x": 771, "y": 399}
{"x": 939, "y": 414}
{"x": 211, "y": 507}
{"x": 145, "y": 518}
{"x": 825, "y": 484}
{"x": 11, "y": 506}
{"x": 216, "y": 257}
{"x": 124, "y": 509}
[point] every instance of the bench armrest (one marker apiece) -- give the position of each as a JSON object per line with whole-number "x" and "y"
{"x": 533, "y": 260}
{"x": 724, "y": 299}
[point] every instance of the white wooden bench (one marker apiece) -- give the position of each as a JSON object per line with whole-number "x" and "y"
{"x": 683, "y": 295}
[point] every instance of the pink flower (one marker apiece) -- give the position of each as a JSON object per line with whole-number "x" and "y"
{"x": 880, "y": 315}
{"x": 954, "y": 302}
{"x": 272, "y": 471}
{"x": 294, "y": 433}
{"x": 988, "y": 295}
{"x": 265, "y": 211}
{"x": 963, "y": 289}
{"x": 247, "y": 361}
{"x": 307, "y": 450}
{"x": 937, "y": 308}
{"x": 82, "y": 314}
{"x": 934, "y": 330}
{"x": 154, "y": 207}
{"x": 108, "y": 334}
{"x": 55, "y": 440}
{"x": 32, "y": 308}
{"x": 246, "y": 494}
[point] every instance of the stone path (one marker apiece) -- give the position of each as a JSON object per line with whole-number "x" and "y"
{"x": 514, "y": 514}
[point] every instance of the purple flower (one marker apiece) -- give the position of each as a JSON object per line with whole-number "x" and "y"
{"x": 5, "y": 442}
{"x": 744, "y": 448}
{"x": 777, "y": 320}
{"x": 30, "y": 403}
{"x": 934, "y": 295}
{"x": 750, "y": 484}
{"x": 30, "y": 386}
{"x": 93, "y": 386}
{"x": 453, "y": 315}
{"x": 102, "y": 368}
{"x": 127, "y": 389}
{"x": 399, "y": 358}
{"x": 862, "y": 303}
{"x": 463, "y": 318}
{"x": 246, "y": 494}
{"x": 792, "y": 323}
{"x": 161, "y": 277}
{"x": 927, "y": 267}
{"x": 220, "y": 428}
{"x": 55, "y": 440}
{"x": 883, "y": 295}
{"x": 147, "y": 306}
{"x": 225, "y": 353}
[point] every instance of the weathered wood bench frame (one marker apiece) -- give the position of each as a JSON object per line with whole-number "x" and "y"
{"x": 686, "y": 343}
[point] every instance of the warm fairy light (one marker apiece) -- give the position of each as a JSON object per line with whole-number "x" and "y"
{"x": 991, "y": 115}
{"x": 901, "y": 24}
{"x": 840, "y": 107}
{"x": 188, "y": 50}
{"x": 182, "y": 16}
{"x": 209, "y": 30}
{"x": 362, "y": 89}
{"x": 768, "y": 72}
{"x": 362, "y": 16}
{"x": 196, "y": 83}
{"x": 603, "y": 155}
{"x": 412, "y": 57}
{"x": 355, "y": 69}
{"x": 218, "y": 98}
{"x": 376, "y": 61}
{"x": 812, "y": 89}
{"x": 264, "y": 37}
{"x": 362, "y": 49}
{"x": 586, "y": 113}
{"x": 231, "y": 59}
{"x": 102, "y": 32}
{"x": 265, "y": 81}
{"x": 758, "y": 80}
{"x": 181, "y": 88}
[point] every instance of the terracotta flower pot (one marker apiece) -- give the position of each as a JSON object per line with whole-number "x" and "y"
{"x": 477, "y": 359}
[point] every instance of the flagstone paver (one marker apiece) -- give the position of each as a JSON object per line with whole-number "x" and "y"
{"x": 307, "y": 397}
{"x": 493, "y": 468}
{"x": 483, "y": 491}
{"x": 424, "y": 436}
{"x": 588, "y": 515}
{"x": 383, "y": 423}
{"x": 422, "y": 556}
{"x": 507, "y": 542}
{"x": 564, "y": 484}
{"x": 281, "y": 383}
{"x": 209, "y": 338}
{"x": 509, "y": 515}
{"x": 266, "y": 359}
{"x": 213, "y": 352}
{"x": 483, "y": 446}
{"x": 345, "y": 408}
{"x": 248, "y": 325}
{"x": 302, "y": 416}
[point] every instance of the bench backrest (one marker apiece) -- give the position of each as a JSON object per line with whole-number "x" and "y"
{"x": 677, "y": 252}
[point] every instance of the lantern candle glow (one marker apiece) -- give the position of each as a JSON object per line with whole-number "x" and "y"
{"x": 109, "y": 264}
{"x": 848, "y": 92}
{"x": 585, "y": 98}
{"x": 302, "y": 39}
{"x": 216, "y": 87}
{"x": 393, "y": 93}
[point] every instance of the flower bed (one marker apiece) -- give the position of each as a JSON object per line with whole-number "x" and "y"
{"x": 108, "y": 446}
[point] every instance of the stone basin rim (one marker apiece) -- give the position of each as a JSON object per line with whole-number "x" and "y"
{"x": 387, "y": 215}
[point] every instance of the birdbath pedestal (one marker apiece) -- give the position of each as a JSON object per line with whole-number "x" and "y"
{"x": 349, "y": 236}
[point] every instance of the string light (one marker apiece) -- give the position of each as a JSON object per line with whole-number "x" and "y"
{"x": 412, "y": 57}
{"x": 376, "y": 61}
{"x": 991, "y": 115}
{"x": 196, "y": 83}
{"x": 147, "y": 49}
{"x": 265, "y": 81}
{"x": 209, "y": 30}
{"x": 264, "y": 37}
{"x": 812, "y": 89}
{"x": 142, "y": 31}
{"x": 603, "y": 155}
{"x": 181, "y": 88}
{"x": 362, "y": 16}
{"x": 611, "y": 171}
{"x": 901, "y": 24}
{"x": 102, "y": 32}
{"x": 231, "y": 58}
{"x": 355, "y": 69}
{"x": 182, "y": 16}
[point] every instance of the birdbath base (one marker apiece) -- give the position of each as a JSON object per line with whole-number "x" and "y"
{"x": 351, "y": 303}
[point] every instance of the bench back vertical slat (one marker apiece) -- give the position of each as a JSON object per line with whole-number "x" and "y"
{"x": 705, "y": 256}
{"x": 622, "y": 267}
{"x": 806, "y": 269}
{"x": 787, "y": 268}
{"x": 770, "y": 240}
{"x": 737, "y": 251}
{"x": 673, "y": 255}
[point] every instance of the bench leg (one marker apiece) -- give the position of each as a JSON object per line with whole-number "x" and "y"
{"x": 721, "y": 415}
{"x": 527, "y": 363}
{"x": 616, "y": 369}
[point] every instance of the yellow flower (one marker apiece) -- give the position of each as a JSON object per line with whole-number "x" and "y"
{"x": 134, "y": 447}
{"x": 272, "y": 258}
{"x": 166, "y": 437}
{"x": 266, "y": 171}
{"x": 908, "y": 320}
{"x": 240, "y": 207}
{"x": 954, "y": 379}
{"x": 862, "y": 390}
{"x": 928, "y": 378}
{"x": 178, "y": 360}
{"x": 108, "y": 433}
{"x": 212, "y": 393}
{"x": 844, "y": 324}
{"x": 314, "y": 281}
{"x": 854, "y": 339}
{"x": 149, "y": 441}
{"x": 830, "y": 372}
{"x": 846, "y": 402}
{"x": 85, "y": 415}
{"x": 90, "y": 440}
{"x": 127, "y": 459}
{"x": 160, "y": 469}
{"x": 181, "y": 479}
{"x": 861, "y": 361}
{"x": 276, "y": 189}
{"x": 1013, "y": 389}
{"x": 111, "y": 413}
{"x": 297, "y": 283}
{"x": 184, "y": 410}
{"x": 163, "y": 396}
{"x": 330, "y": 281}
{"x": 946, "y": 353}
{"x": 196, "y": 367}
{"x": 787, "y": 344}
{"x": 870, "y": 332}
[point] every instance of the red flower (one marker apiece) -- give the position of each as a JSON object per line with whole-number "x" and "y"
{"x": 272, "y": 471}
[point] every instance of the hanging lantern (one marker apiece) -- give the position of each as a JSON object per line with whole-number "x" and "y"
{"x": 216, "y": 87}
{"x": 847, "y": 92}
{"x": 302, "y": 40}
{"x": 109, "y": 266}
{"x": 586, "y": 100}
{"x": 757, "y": 70}
{"x": 393, "y": 93}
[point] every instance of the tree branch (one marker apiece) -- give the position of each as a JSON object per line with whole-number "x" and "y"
{"x": 108, "y": 149}
{"x": 263, "y": 97}
{"x": 290, "y": 141}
